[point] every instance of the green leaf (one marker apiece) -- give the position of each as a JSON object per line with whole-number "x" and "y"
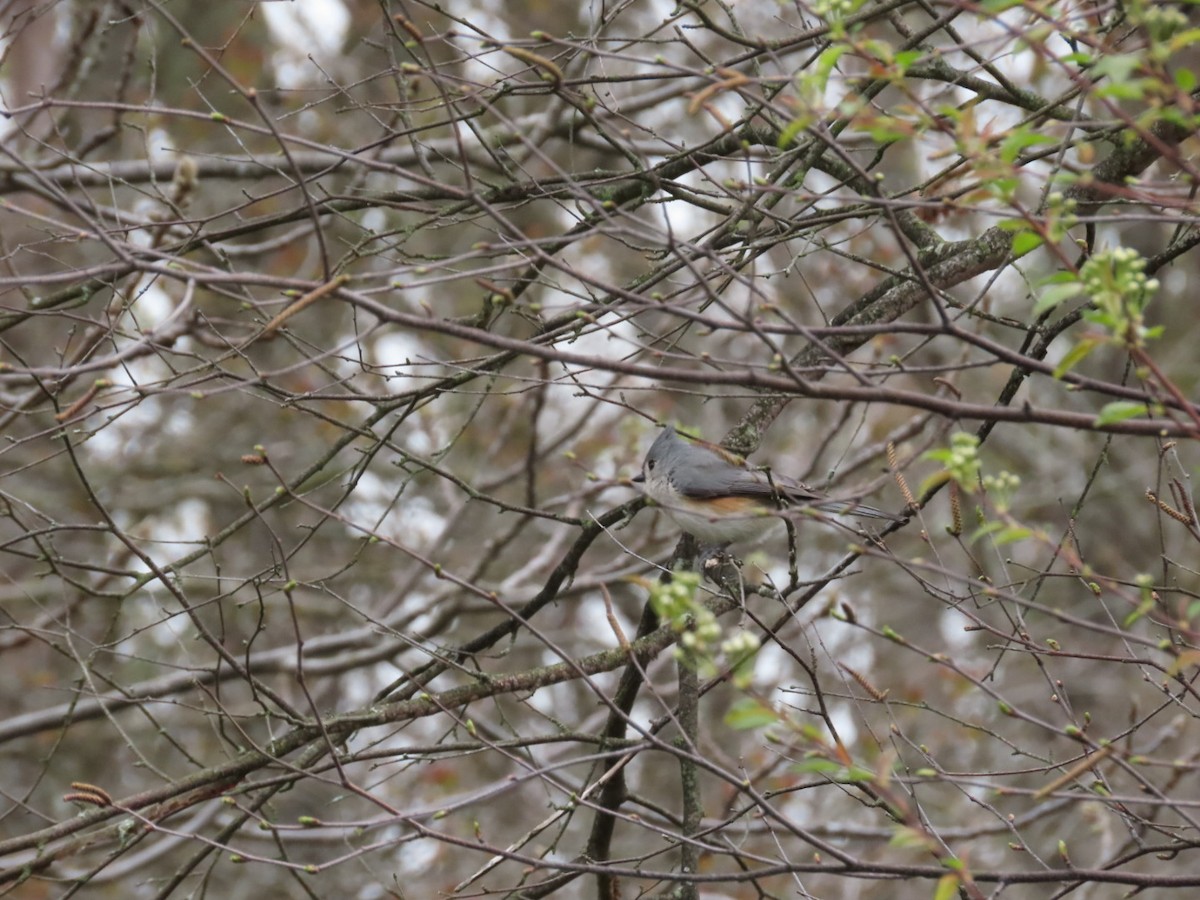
{"x": 906, "y": 836}
{"x": 1056, "y": 294}
{"x": 947, "y": 888}
{"x": 1117, "y": 66}
{"x": 937, "y": 479}
{"x": 1012, "y": 145}
{"x": 984, "y": 530}
{"x": 1011, "y": 535}
{"x": 1001, "y": 187}
{"x": 1015, "y": 226}
{"x": 1134, "y": 89}
{"x": 1103, "y": 318}
{"x": 826, "y": 61}
{"x": 787, "y": 137}
{"x": 857, "y": 775}
{"x": 1075, "y": 356}
{"x": 817, "y": 766}
{"x": 1059, "y": 278}
{"x": 879, "y": 50}
{"x": 748, "y": 714}
{"x": 1025, "y": 242}
{"x": 1178, "y": 42}
{"x": 1144, "y": 607}
{"x": 886, "y": 130}
{"x": 1119, "y": 411}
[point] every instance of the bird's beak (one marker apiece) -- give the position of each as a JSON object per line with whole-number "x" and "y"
{"x": 638, "y": 478}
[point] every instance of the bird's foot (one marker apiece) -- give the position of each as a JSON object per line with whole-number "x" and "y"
{"x": 720, "y": 566}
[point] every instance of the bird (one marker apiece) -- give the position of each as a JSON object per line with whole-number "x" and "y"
{"x": 716, "y": 496}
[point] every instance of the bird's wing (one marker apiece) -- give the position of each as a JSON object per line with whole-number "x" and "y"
{"x": 715, "y": 478}
{"x": 711, "y": 478}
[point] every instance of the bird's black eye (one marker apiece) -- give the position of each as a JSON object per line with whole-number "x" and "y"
{"x": 649, "y": 465}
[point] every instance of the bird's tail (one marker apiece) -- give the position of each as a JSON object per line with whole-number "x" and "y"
{"x": 845, "y": 508}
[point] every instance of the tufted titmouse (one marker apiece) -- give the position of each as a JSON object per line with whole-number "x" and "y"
{"x": 715, "y": 496}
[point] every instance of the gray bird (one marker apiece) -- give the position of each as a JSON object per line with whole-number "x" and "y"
{"x": 715, "y": 496}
